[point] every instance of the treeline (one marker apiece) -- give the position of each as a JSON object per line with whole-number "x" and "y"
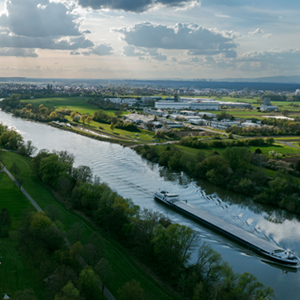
{"x": 37, "y": 113}
{"x": 106, "y": 105}
{"x": 102, "y": 117}
{"x": 42, "y": 244}
{"x": 271, "y": 126}
{"x": 236, "y": 169}
{"x": 12, "y": 140}
{"x": 163, "y": 246}
{"x": 194, "y": 142}
{"x": 274, "y": 97}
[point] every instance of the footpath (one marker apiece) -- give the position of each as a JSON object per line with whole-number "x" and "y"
{"x": 108, "y": 295}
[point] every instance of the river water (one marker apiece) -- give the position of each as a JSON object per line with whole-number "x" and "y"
{"x": 135, "y": 178}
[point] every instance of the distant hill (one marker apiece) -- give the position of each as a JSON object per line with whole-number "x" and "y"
{"x": 274, "y": 79}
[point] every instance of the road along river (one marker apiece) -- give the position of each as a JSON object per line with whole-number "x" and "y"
{"x": 135, "y": 178}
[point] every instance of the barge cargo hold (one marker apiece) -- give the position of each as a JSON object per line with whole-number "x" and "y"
{"x": 260, "y": 246}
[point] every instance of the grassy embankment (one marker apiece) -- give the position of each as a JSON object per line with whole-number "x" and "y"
{"x": 124, "y": 266}
{"x": 281, "y": 148}
{"x": 15, "y": 274}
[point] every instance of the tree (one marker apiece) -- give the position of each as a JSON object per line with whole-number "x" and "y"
{"x": 68, "y": 292}
{"x": 26, "y": 294}
{"x": 172, "y": 247}
{"x": 132, "y": 291}
{"x": 269, "y": 141}
{"x": 76, "y": 250}
{"x": 237, "y": 157}
{"x": 83, "y": 118}
{"x": 89, "y": 120}
{"x": 76, "y": 232}
{"x": 103, "y": 269}
{"x": 88, "y": 284}
{"x": 15, "y": 169}
{"x": 297, "y": 167}
{"x": 73, "y": 114}
{"x": 60, "y": 278}
{"x": 112, "y": 127}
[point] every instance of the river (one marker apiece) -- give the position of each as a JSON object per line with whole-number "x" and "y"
{"x": 135, "y": 178}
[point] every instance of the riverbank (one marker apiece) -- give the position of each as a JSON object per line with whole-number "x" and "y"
{"x": 125, "y": 267}
{"x": 235, "y": 169}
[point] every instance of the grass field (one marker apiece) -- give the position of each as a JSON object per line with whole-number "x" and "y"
{"x": 278, "y": 147}
{"x": 123, "y": 265}
{"x": 78, "y": 104}
{"x": 12, "y": 199}
{"x": 15, "y": 274}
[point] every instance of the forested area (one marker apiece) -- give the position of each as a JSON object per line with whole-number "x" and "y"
{"x": 29, "y": 111}
{"x": 236, "y": 169}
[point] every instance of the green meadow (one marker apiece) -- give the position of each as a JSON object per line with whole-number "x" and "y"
{"x": 78, "y": 104}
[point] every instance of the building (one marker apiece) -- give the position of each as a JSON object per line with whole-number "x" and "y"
{"x": 238, "y": 105}
{"x": 204, "y": 105}
{"x": 114, "y": 100}
{"x": 267, "y": 101}
{"x": 268, "y": 108}
{"x": 172, "y": 105}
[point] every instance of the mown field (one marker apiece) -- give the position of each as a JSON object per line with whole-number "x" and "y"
{"x": 124, "y": 267}
{"x": 15, "y": 274}
{"x": 278, "y": 147}
{"x": 73, "y": 103}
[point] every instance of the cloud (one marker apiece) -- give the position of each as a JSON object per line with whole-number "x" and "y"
{"x": 41, "y": 24}
{"x": 279, "y": 59}
{"x": 196, "y": 39}
{"x": 142, "y": 53}
{"x": 18, "y": 52}
{"x": 74, "y": 53}
{"x": 100, "y": 50}
{"x": 133, "y": 5}
{"x": 39, "y": 18}
{"x": 45, "y": 43}
{"x": 256, "y": 32}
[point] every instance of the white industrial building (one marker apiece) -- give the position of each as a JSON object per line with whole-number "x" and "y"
{"x": 205, "y": 105}
{"x": 172, "y": 105}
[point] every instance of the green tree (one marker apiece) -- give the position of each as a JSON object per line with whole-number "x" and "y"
{"x": 15, "y": 169}
{"x": 172, "y": 247}
{"x": 73, "y": 114}
{"x": 112, "y": 127}
{"x": 83, "y": 118}
{"x": 76, "y": 250}
{"x": 68, "y": 292}
{"x": 132, "y": 291}
{"x": 237, "y": 157}
{"x": 103, "y": 269}
{"x": 26, "y": 294}
{"x": 89, "y": 120}
{"x": 88, "y": 284}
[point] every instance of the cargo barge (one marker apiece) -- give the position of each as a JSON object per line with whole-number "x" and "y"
{"x": 260, "y": 246}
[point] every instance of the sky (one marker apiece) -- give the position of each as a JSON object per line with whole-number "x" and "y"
{"x": 149, "y": 39}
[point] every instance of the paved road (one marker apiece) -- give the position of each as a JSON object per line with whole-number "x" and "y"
{"x": 290, "y": 145}
{"x": 23, "y": 190}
